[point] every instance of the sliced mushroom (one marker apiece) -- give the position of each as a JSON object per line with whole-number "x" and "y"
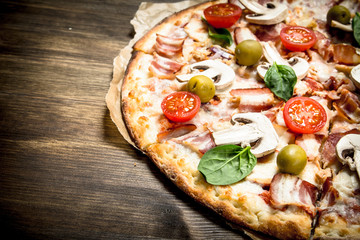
{"x": 300, "y": 65}
{"x": 222, "y": 74}
{"x": 250, "y": 129}
{"x": 270, "y": 14}
{"x": 355, "y": 76}
{"x": 348, "y": 151}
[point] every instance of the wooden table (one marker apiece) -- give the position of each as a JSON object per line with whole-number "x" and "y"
{"x": 65, "y": 171}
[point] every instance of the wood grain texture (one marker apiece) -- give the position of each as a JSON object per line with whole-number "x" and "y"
{"x": 65, "y": 171}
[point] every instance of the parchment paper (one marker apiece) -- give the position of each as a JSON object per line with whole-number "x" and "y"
{"x": 147, "y": 16}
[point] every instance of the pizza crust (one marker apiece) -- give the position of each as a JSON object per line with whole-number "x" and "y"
{"x": 245, "y": 209}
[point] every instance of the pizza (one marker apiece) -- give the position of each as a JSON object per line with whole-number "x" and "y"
{"x": 252, "y": 109}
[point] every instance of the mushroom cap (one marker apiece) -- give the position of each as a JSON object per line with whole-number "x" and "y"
{"x": 250, "y": 129}
{"x": 355, "y": 76}
{"x": 272, "y": 14}
{"x": 222, "y": 74}
{"x": 348, "y": 150}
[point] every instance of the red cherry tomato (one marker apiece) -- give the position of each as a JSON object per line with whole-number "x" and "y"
{"x": 304, "y": 115}
{"x": 297, "y": 38}
{"x": 180, "y": 106}
{"x": 222, "y": 15}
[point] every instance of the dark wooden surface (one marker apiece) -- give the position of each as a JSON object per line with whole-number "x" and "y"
{"x": 65, "y": 171}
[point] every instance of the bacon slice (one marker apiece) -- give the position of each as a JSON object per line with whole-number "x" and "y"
{"x": 199, "y": 141}
{"x": 287, "y": 189}
{"x": 254, "y": 99}
{"x": 328, "y": 152}
{"x": 329, "y": 193}
{"x": 268, "y": 33}
{"x": 243, "y": 33}
{"x": 348, "y": 105}
{"x": 168, "y": 46}
{"x": 175, "y": 132}
{"x": 345, "y": 53}
{"x": 311, "y": 144}
{"x": 163, "y": 67}
{"x": 323, "y": 46}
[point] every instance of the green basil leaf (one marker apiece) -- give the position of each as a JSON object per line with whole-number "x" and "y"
{"x": 281, "y": 79}
{"x": 356, "y": 27}
{"x": 221, "y": 36}
{"x": 226, "y": 164}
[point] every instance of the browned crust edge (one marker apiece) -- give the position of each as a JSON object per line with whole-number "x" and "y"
{"x": 124, "y": 104}
{"x": 289, "y": 230}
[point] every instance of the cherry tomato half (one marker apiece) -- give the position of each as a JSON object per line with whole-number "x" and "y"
{"x": 222, "y": 15}
{"x": 297, "y": 38}
{"x": 181, "y": 106}
{"x": 304, "y": 115}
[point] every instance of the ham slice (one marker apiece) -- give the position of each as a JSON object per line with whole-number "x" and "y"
{"x": 287, "y": 189}
{"x": 254, "y": 99}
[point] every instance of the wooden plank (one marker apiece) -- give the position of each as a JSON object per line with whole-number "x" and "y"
{"x": 66, "y": 172}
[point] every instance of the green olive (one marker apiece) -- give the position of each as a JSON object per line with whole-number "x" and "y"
{"x": 338, "y": 13}
{"x": 248, "y": 52}
{"x": 202, "y": 86}
{"x": 291, "y": 159}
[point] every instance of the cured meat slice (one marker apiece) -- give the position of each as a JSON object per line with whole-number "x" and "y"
{"x": 163, "y": 67}
{"x": 287, "y": 189}
{"x": 254, "y": 99}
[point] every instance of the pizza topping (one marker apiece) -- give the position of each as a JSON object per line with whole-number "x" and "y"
{"x": 338, "y": 14}
{"x": 299, "y": 65}
{"x": 348, "y": 106}
{"x": 281, "y": 80}
{"x": 355, "y": 76}
{"x": 356, "y": 27}
{"x": 202, "y": 86}
{"x": 345, "y": 53}
{"x": 254, "y": 99}
{"x": 180, "y": 106}
{"x": 297, "y": 38}
{"x": 227, "y": 164}
{"x": 291, "y": 159}
{"x": 248, "y": 52}
{"x": 222, "y": 74}
{"x": 168, "y": 46}
{"x": 220, "y": 36}
{"x": 222, "y": 15}
{"x": 163, "y": 67}
{"x": 243, "y": 33}
{"x": 250, "y": 129}
{"x": 348, "y": 151}
{"x": 288, "y": 189}
{"x": 270, "y": 14}
{"x": 219, "y": 53}
{"x": 304, "y": 115}
{"x": 175, "y": 132}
